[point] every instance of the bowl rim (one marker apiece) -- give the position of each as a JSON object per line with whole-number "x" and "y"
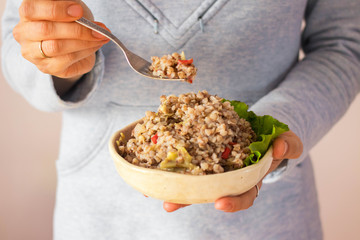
{"x": 114, "y": 152}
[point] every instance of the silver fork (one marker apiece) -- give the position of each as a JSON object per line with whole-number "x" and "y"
{"x": 137, "y": 63}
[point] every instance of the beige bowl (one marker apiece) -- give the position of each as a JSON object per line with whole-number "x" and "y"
{"x": 186, "y": 189}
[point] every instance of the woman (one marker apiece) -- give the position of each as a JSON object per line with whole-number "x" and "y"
{"x": 244, "y": 50}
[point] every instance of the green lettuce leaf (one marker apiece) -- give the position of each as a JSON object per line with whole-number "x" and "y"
{"x": 265, "y": 127}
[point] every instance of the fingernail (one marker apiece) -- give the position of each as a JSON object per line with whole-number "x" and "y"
{"x": 285, "y": 148}
{"x": 224, "y": 207}
{"x": 74, "y": 10}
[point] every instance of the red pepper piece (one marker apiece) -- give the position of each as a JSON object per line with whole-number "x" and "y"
{"x": 186, "y": 62}
{"x": 154, "y": 138}
{"x": 232, "y": 143}
{"x": 226, "y": 153}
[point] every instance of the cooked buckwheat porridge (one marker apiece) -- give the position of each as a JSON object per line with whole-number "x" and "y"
{"x": 173, "y": 66}
{"x": 191, "y": 133}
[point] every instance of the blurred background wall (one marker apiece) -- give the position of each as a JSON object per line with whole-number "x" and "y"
{"x": 29, "y": 142}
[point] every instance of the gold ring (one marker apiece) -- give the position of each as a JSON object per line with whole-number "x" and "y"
{"x": 41, "y": 51}
{"x": 257, "y": 190}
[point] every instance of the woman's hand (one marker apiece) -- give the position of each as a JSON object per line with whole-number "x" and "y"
{"x": 287, "y": 146}
{"x": 68, "y": 48}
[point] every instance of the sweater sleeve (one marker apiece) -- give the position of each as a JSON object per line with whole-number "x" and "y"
{"x": 36, "y": 87}
{"x": 319, "y": 89}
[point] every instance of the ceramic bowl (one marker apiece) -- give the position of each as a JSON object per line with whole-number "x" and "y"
{"x": 186, "y": 189}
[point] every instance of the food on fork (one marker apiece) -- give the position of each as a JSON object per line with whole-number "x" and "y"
{"x": 174, "y": 66}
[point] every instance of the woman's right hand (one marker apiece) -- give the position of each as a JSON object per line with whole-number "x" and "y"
{"x": 69, "y": 48}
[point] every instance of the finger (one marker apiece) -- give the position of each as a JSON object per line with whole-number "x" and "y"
{"x": 60, "y": 66}
{"x": 79, "y": 68}
{"x": 237, "y": 203}
{"x": 45, "y": 30}
{"x": 280, "y": 147}
{"x": 171, "y": 207}
{"x": 54, "y": 48}
{"x": 102, "y": 25}
{"x": 65, "y": 11}
{"x": 98, "y": 35}
{"x": 287, "y": 145}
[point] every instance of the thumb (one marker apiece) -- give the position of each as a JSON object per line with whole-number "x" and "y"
{"x": 287, "y": 145}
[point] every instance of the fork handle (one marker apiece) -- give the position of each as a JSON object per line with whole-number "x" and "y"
{"x": 87, "y": 23}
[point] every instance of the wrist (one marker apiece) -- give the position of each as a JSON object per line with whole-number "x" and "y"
{"x": 277, "y": 173}
{"x": 63, "y": 85}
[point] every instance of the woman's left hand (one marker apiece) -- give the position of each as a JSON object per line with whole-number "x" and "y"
{"x": 286, "y": 146}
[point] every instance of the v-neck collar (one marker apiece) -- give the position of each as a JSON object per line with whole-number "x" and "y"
{"x": 177, "y": 31}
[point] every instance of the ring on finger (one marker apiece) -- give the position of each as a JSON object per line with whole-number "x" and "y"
{"x": 41, "y": 50}
{"x": 257, "y": 190}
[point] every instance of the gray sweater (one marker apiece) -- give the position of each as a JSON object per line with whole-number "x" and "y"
{"x": 245, "y": 50}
